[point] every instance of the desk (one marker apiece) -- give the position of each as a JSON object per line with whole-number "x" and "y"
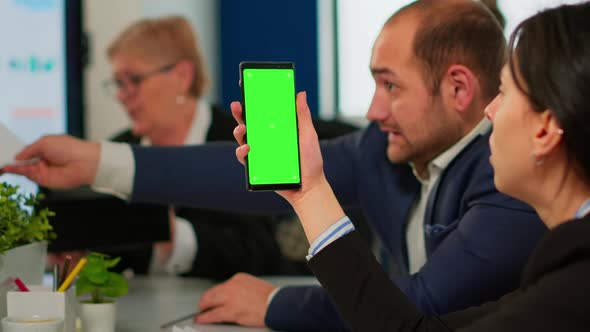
{"x": 153, "y": 301}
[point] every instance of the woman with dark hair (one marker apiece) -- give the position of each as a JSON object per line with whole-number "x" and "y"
{"x": 541, "y": 123}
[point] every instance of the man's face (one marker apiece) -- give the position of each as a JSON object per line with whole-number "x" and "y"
{"x": 419, "y": 126}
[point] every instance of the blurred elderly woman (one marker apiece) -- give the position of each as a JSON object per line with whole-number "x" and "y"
{"x": 160, "y": 77}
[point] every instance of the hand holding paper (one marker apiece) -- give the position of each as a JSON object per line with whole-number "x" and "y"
{"x": 63, "y": 161}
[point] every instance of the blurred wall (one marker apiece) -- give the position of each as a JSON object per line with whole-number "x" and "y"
{"x": 269, "y": 30}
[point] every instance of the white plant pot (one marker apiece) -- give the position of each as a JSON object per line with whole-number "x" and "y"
{"x": 25, "y": 262}
{"x": 98, "y": 317}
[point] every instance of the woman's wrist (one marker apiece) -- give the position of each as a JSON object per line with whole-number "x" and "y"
{"x": 318, "y": 209}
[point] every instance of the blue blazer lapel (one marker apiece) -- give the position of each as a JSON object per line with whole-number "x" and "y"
{"x": 444, "y": 201}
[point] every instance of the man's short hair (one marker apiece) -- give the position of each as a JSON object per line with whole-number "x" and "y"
{"x": 457, "y": 32}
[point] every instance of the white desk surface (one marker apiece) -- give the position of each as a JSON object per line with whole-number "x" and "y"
{"x": 153, "y": 301}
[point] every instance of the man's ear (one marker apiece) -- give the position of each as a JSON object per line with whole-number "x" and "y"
{"x": 185, "y": 71}
{"x": 460, "y": 85}
{"x": 548, "y": 135}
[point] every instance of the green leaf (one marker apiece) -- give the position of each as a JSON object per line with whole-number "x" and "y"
{"x": 94, "y": 266}
{"x": 112, "y": 262}
{"x": 98, "y": 281}
{"x": 83, "y": 286}
{"x": 98, "y": 278}
{"x": 18, "y": 225}
{"x": 117, "y": 286}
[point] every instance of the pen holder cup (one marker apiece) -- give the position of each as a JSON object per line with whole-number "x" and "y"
{"x": 42, "y": 301}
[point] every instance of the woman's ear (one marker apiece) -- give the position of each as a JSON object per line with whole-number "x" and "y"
{"x": 548, "y": 135}
{"x": 185, "y": 72}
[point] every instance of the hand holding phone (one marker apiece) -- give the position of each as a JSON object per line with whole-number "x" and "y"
{"x": 269, "y": 112}
{"x": 315, "y": 203}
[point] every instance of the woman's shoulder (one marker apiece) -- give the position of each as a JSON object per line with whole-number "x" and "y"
{"x": 566, "y": 245}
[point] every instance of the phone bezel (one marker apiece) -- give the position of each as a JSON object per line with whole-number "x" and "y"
{"x": 268, "y": 65}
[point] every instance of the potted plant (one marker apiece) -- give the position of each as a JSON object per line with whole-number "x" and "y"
{"x": 98, "y": 313}
{"x": 24, "y": 232}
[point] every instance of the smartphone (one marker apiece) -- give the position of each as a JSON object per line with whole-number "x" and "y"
{"x": 270, "y": 115}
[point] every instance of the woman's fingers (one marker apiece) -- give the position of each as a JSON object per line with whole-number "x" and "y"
{"x": 242, "y": 152}
{"x": 239, "y": 133}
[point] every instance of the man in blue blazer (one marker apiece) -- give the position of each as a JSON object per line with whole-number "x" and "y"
{"x": 420, "y": 173}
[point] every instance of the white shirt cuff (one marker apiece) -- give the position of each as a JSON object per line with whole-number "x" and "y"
{"x": 271, "y": 296}
{"x": 184, "y": 247}
{"x": 340, "y": 228}
{"x": 116, "y": 170}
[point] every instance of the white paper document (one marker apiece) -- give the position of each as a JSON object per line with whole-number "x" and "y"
{"x": 10, "y": 145}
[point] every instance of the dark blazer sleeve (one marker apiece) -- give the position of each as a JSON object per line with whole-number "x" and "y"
{"x": 209, "y": 176}
{"x": 367, "y": 298}
{"x": 553, "y": 300}
{"x": 200, "y": 176}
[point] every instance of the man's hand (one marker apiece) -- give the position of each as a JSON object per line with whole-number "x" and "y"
{"x": 241, "y": 300}
{"x": 65, "y": 162}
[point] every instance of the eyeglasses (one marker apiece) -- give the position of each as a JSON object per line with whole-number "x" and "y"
{"x": 129, "y": 82}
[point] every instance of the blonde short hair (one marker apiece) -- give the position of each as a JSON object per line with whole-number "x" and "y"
{"x": 166, "y": 40}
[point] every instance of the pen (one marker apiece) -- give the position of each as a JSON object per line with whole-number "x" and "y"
{"x": 178, "y": 320}
{"x": 72, "y": 275}
{"x": 20, "y": 285}
{"x": 55, "y": 276}
{"x": 64, "y": 270}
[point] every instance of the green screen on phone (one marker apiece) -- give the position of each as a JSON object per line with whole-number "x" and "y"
{"x": 271, "y": 127}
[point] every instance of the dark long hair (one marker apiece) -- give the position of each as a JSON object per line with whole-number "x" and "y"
{"x": 550, "y": 63}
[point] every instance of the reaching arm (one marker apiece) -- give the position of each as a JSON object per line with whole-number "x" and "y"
{"x": 203, "y": 176}
{"x": 552, "y": 298}
{"x": 366, "y": 298}
{"x": 370, "y": 302}
{"x": 208, "y": 176}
